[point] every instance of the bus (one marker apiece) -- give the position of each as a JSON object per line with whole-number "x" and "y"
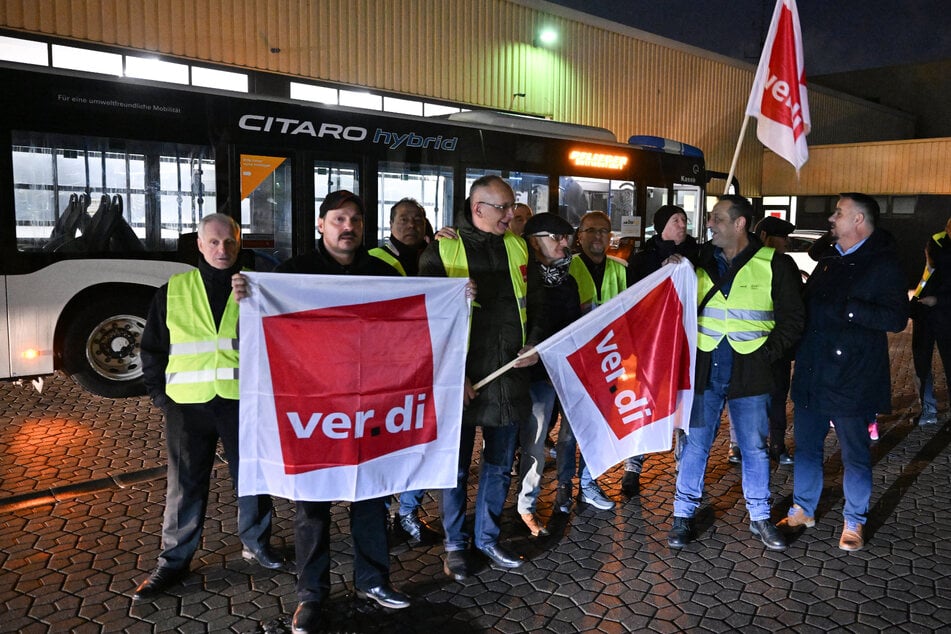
{"x": 104, "y": 181}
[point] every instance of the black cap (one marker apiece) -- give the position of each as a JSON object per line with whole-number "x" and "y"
{"x": 663, "y": 215}
{"x": 774, "y": 226}
{"x": 337, "y": 199}
{"x": 548, "y": 223}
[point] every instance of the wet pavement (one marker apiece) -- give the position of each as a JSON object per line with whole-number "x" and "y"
{"x": 82, "y": 488}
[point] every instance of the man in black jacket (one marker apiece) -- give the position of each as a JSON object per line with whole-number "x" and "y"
{"x": 496, "y": 260}
{"x": 749, "y": 314}
{"x": 842, "y": 374}
{"x": 339, "y": 251}
{"x": 184, "y": 364}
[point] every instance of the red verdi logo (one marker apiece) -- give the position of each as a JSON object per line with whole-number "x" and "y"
{"x": 634, "y": 367}
{"x": 351, "y": 383}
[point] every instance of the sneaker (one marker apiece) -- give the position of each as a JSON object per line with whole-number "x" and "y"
{"x": 851, "y": 536}
{"x": 873, "y": 430}
{"x": 786, "y": 459}
{"x": 594, "y": 496}
{"x": 796, "y": 517}
{"x": 563, "y": 498}
{"x": 735, "y": 457}
{"x": 631, "y": 483}
{"x": 928, "y": 419}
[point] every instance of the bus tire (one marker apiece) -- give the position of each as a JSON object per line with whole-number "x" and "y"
{"x": 101, "y": 351}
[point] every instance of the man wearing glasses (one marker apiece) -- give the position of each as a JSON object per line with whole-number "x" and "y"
{"x": 486, "y": 252}
{"x": 599, "y": 279}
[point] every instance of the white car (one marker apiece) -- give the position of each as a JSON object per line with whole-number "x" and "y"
{"x": 800, "y": 242}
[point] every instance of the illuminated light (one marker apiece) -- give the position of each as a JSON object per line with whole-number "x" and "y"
{"x": 30, "y": 354}
{"x": 583, "y": 158}
{"x": 545, "y": 37}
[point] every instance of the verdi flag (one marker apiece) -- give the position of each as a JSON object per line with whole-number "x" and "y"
{"x": 624, "y": 371}
{"x": 778, "y": 99}
{"x": 350, "y": 389}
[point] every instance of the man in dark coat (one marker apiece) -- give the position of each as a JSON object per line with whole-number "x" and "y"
{"x": 496, "y": 260}
{"x": 855, "y": 295}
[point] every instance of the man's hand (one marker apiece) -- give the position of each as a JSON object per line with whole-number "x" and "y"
{"x": 930, "y": 301}
{"x": 471, "y": 289}
{"x": 673, "y": 258}
{"x": 447, "y": 232}
{"x": 530, "y": 358}
{"x": 468, "y": 393}
{"x": 240, "y": 287}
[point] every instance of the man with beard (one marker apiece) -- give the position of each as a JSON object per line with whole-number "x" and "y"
{"x": 339, "y": 251}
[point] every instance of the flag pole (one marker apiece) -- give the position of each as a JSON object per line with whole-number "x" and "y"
{"x": 736, "y": 155}
{"x": 505, "y": 368}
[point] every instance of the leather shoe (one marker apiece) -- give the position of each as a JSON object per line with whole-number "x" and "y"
{"x": 386, "y": 596}
{"x": 161, "y": 579}
{"x": 769, "y": 535}
{"x": 457, "y": 564}
{"x": 265, "y": 556}
{"x": 307, "y": 618}
{"x": 500, "y": 558}
{"x": 418, "y": 532}
{"x": 679, "y": 535}
{"x": 631, "y": 483}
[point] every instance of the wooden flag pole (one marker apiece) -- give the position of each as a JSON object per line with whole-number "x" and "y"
{"x": 505, "y": 368}
{"x": 736, "y": 155}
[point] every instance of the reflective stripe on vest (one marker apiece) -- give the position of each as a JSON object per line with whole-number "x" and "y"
{"x": 615, "y": 281}
{"x": 382, "y": 254}
{"x": 453, "y": 256}
{"x": 746, "y": 317}
{"x": 202, "y": 360}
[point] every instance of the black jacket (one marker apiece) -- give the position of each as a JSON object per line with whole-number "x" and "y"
{"x": 319, "y": 262}
{"x": 842, "y": 366}
{"x": 752, "y": 373}
{"x": 655, "y": 251}
{"x": 495, "y": 336}
{"x": 937, "y": 317}
{"x": 560, "y": 306}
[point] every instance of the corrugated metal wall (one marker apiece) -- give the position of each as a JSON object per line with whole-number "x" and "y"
{"x": 897, "y": 167}
{"x": 478, "y": 52}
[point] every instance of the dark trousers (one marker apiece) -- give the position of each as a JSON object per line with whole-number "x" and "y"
{"x": 924, "y": 336}
{"x": 191, "y": 436}
{"x": 776, "y": 410}
{"x": 371, "y": 556}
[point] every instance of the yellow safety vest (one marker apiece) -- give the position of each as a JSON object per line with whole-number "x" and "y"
{"x": 746, "y": 317}
{"x": 615, "y": 281}
{"x": 202, "y": 361}
{"x": 383, "y": 254}
{"x": 453, "y": 256}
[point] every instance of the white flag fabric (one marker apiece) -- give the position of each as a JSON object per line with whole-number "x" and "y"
{"x": 778, "y": 99}
{"x": 350, "y": 387}
{"x": 624, "y": 372}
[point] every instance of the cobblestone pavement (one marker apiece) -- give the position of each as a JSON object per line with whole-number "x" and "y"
{"x": 82, "y": 490}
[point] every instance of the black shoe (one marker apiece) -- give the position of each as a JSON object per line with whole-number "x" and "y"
{"x": 735, "y": 457}
{"x": 418, "y": 532}
{"x": 265, "y": 556}
{"x": 457, "y": 564}
{"x": 679, "y": 535}
{"x": 307, "y": 618}
{"x": 500, "y": 558}
{"x": 631, "y": 483}
{"x": 769, "y": 535}
{"x": 386, "y": 596}
{"x": 161, "y": 579}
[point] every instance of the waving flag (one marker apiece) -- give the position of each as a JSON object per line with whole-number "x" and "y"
{"x": 778, "y": 99}
{"x": 624, "y": 371}
{"x": 351, "y": 388}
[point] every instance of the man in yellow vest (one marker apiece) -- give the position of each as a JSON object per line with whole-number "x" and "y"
{"x": 486, "y": 252}
{"x": 599, "y": 278}
{"x": 190, "y": 363}
{"x": 407, "y": 237}
{"x": 749, "y": 314}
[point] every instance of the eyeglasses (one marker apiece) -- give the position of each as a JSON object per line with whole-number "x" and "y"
{"x": 596, "y": 232}
{"x": 557, "y": 237}
{"x": 504, "y": 208}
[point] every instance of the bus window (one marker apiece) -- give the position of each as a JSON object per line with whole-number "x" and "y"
{"x": 430, "y": 185}
{"x": 579, "y": 195}
{"x": 61, "y": 182}
{"x": 688, "y": 197}
{"x": 266, "y": 199}
{"x": 531, "y": 189}
{"x": 656, "y": 198}
{"x": 329, "y": 176}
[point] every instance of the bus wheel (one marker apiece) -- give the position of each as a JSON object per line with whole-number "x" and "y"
{"x": 101, "y": 350}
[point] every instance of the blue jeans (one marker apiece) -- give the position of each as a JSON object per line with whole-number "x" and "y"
{"x": 810, "y": 428}
{"x": 410, "y": 501}
{"x": 495, "y": 475}
{"x": 531, "y": 438}
{"x": 565, "y": 448}
{"x": 748, "y": 417}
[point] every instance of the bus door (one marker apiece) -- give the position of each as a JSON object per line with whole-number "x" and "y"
{"x": 266, "y": 192}
{"x": 5, "y": 369}
{"x": 578, "y": 195}
{"x": 690, "y": 198}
